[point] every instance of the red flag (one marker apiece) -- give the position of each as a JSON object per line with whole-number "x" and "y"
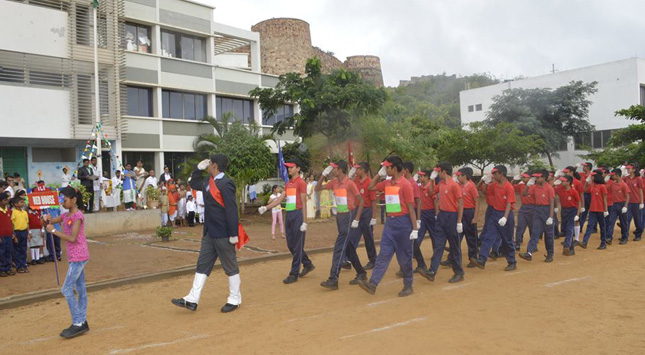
{"x": 350, "y": 155}
{"x": 242, "y": 238}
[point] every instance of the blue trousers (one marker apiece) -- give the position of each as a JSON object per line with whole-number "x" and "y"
{"x": 427, "y": 226}
{"x": 470, "y": 232}
{"x": 594, "y": 218}
{"x": 6, "y": 253}
{"x": 20, "y": 249}
{"x": 296, "y": 241}
{"x": 495, "y": 231}
{"x": 367, "y": 232}
{"x": 583, "y": 215}
{"x": 395, "y": 239}
{"x": 487, "y": 229}
{"x": 344, "y": 248}
{"x": 615, "y": 213}
{"x": 446, "y": 230}
{"x": 540, "y": 215}
{"x": 568, "y": 216}
{"x": 634, "y": 213}
{"x": 75, "y": 280}
{"x": 524, "y": 220}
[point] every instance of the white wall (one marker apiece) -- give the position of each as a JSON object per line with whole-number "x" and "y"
{"x": 232, "y": 60}
{"x": 33, "y": 29}
{"x": 34, "y": 112}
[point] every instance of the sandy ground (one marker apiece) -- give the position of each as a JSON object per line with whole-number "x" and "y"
{"x": 590, "y": 303}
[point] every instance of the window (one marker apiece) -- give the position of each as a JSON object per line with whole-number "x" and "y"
{"x": 478, "y": 107}
{"x": 84, "y": 89}
{"x": 12, "y": 75}
{"x": 173, "y": 161}
{"x": 471, "y": 108}
{"x": 643, "y": 95}
{"x": 139, "y": 101}
{"x": 137, "y": 38}
{"x": 241, "y": 109}
{"x": 82, "y": 25}
{"x": 597, "y": 139}
{"x": 283, "y": 113}
{"x": 178, "y": 45}
{"x": 48, "y": 79}
{"x": 183, "y": 105}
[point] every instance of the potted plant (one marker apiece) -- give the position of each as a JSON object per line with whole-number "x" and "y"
{"x": 164, "y": 232}
{"x": 152, "y": 194}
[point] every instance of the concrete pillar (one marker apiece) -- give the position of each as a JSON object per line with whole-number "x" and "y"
{"x": 155, "y": 39}
{"x": 256, "y": 64}
{"x": 159, "y": 157}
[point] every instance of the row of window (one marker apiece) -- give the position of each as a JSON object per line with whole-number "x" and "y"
{"x": 474, "y": 108}
{"x": 33, "y": 77}
{"x": 173, "y": 44}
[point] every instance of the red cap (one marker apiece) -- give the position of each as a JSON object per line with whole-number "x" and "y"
{"x": 386, "y": 163}
{"x": 565, "y": 170}
{"x": 593, "y": 173}
{"x": 537, "y": 175}
{"x": 421, "y": 173}
{"x": 437, "y": 169}
{"x": 458, "y": 173}
{"x": 551, "y": 173}
{"x": 290, "y": 165}
{"x": 563, "y": 179}
{"x": 612, "y": 174}
{"x": 333, "y": 165}
{"x": 526, "y": 175}
{"x": 494, "y": 170}
{"x": 357, "y": 166}
{"x": 629, "y": 166}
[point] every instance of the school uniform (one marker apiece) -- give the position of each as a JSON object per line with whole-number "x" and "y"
{"x": 524, "y": 215}
{"x": 635, "y": 186}
{"x": 294, "y": 219}
{"x": 488, "y": 226}
{"x": 569, "y": 202}
{"x": 446, "y": 227}
{"x": 596, "y": 212}
{"x": 366, "y": 230}
{"x": 428, "y": 220}
{"x": 6, "y": 242}
{"x": 543, "y": 195}
{"x": 470, "y": 196}
{"x": 501, "y": 196}
{"x": 618, "y": 192}
{"x": 20, "y": 221}
{"x": 587, "y": 199}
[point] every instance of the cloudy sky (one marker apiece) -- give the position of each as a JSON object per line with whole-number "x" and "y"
{"x": 505, "y": 38}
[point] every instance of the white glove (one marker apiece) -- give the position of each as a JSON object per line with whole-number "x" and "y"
{"x": 352, "y": 172}
{"x": 531, "y": 182}
{"x": 582, "y": 210}
{"x": 623, "y": 210}
{"x": 327, "y": 171}
{"x": 605, "y": 213}
{"x": 502, "y": 221}
{"x": 556, "y": 210}
{"x": 382, "y": 173}
{"x": 588, "y": 179}
{"x": 414, "y": 234}
{"x": 418, "y": 224}
{"x": 455, "y": 178}
{"x": 436, "y": 217}
{"x": 460, "y": 228}
{"x": 607, "y": 178}
{"x": 203, "y": 164}
{"x": 640, "y": 207}
{"x": 373, "y": 222}
{"x": 233, "y": 240}
{"x": 578, "y": 166}
{"x": 624, "y": 171}
{"x": 262, "y": 209}
{"x": 303, "y": 227}
{"x": 559, "y": 173}
{"x": 354, "y": 224}
{"x": 517, "y": 177}
{"x": 415, "y": 177}
{"x": 557, "y": 182}
{"x": 576, "y": 218}
{"x": 434, "y": 175}
{"x": 549, "y": 221}
{"x": 487, "y": 178}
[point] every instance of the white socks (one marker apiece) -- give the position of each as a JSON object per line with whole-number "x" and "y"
{"x": 196, "y": 291}
{"x": 576, "y": 232}
{"x": 35, "y": 254}
{"x": 234, "y": 294}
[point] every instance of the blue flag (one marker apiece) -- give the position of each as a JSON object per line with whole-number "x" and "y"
{"x": 281, "y": 168}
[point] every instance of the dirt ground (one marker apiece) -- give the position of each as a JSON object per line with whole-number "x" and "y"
{"x": 590, "y": 303}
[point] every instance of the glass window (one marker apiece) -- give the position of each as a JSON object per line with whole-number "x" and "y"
{"x": 597, "y": 139}
{"x": 176, "y": 105}
{"x": 183, "y": 105}
{"x": 139, "y": 101}
{"x": 200, "y": 106}
{"x": 643, "y": 95}
{"x": 137, "y": 38}
{"x": 478, "y": 107}
{"x": 168, "y": 44}
{"x": 282, "y": 114}
{"x": 189, "y": 106}
{"x": 471, "y": 108}
{"x": 165, "y": 104}
{"x": 187, "y": 48}
{"x": 183, "y": 46}
{"x": 240, "y": 109}
{"x": 200, "y": 50}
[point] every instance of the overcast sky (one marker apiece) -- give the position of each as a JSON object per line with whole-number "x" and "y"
{"x": 505, "y": 38}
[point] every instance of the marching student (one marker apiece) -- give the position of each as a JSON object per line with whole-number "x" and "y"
{"x": 428, "y": 214}
{"x": 568, "y": 201}
{"x": 6, "y": 236}
{"x": 296, "y": 227}
{"x": 368, "y": 220}
{"x": 486, "y": 188}
{"x": 609, "y": 183}
{"x": 620, "y": 197}
{"x": 408, "y": 169}
{"x": 471, "y": 207}
{"x": 525, "y": 214}
{"x": 400, "y": 227}
{"x": 347, "y": 220}
{"x": 544, "y": 198}
{"x": 501, "y": 221}
{"x": 20, "y": 221}
{"x": 584, "y": 177}
{"x": 635, "y": 185}
{"x": 597, "y": 209}
{"x": 577, "y": 185}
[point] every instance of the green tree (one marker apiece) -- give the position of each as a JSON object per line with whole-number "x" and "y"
{"x": 250, "y": 159}
{"x": 329, "y": 103}
{"x": 298, "y": 151}
{"x": 554, "y": 115}
{"x": 627, "y": 144}
{"x": 483, "y": 145}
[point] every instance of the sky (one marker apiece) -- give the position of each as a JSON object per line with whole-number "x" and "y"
{"x": 504, "y": 38}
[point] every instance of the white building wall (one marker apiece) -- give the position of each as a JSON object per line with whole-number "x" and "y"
{"x": 22, "y": 118}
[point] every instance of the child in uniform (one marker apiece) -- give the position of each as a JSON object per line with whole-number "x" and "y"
{"x": 20, "y": 222}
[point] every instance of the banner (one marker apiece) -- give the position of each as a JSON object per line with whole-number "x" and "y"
{"x": 43, "y": 199}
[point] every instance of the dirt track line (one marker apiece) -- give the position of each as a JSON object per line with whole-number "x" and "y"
{"x": 156, "y": 345}
{"x": 387, "y": 327}
{"x": 517, "y": 272}
{"x": 448, "y": 288}
{"x": 567, "y": 281}
{"x": 310, "y": 317}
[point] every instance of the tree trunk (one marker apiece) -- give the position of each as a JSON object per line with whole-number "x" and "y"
{"x": 548, "y": 155}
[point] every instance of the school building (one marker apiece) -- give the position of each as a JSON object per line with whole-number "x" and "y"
{"x": 620, "y": 85}
{"x": 163, "y": 66}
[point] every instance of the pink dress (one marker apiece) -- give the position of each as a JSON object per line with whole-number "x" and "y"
{"x": 77, "y": 251}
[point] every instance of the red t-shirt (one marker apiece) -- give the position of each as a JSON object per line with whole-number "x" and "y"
{"x": 397, "y": 193}
{"x": 34, "y": 219}
{"x": 542, "y": 194}
{"x": 415, "y": 188}
{"x": 618, "y": 192}
{"x": 568, "y": 198}
{"x": 427, "y": 198}
{"x": 345, "y": 193}
{"x": 597, "y": 193}
{"x": 526, "y": 200}
{"x": 583, "y": 179}
{"x": 634, "y": 184}
{"x": 6, "y": 227}
{"x": 577, "y": 185}
{"x": 469, "y": 194}
{"x": 298, "y": 187}
{"x": 503, "y": 195}
{"x": 609, "y": 185}
{"x": 490, "y": 192}
{"x": 449, "y": 193}
{"x": 368, "y": 196}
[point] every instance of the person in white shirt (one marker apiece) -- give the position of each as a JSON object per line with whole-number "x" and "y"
{"x": 151, "y": 180}
{"x": 115, "y": 195}
{"x": 96, "y": 184}
{"x": 200, "y": 206}
{"x": 140, "y": 177}
{"x": 191, "y": 207}
{"x": 276, "y": 212}
{"x": 65, "y": 177}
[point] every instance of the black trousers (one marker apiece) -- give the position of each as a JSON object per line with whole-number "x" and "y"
{"x": 191, "y": 218}
{"x": 296, "y": 241}
{"x": 213, "y": 248}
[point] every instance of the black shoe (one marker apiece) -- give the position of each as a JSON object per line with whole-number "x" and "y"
{"x": 623, "y": 241}
{"x": 492, "y": 255}
{"x": 180, "y": 302}
{"x": 511, "y": 267}
{"x": 406, "y": 291}
{"x": 608, "y": 241}
{"x": 330, "y": 284}
{"x": 445, "y": 263}
{"x": 471, "y": 265}
{"x": 456, "y": 278}
{"x": 427, "y": 274}
{"x": 583, "y": 245}
{"x": 229, "y": 307}
{"x": 549, "y": 258}
{"x": 418, "y": 270}
{"x": 40, "y": 261}
{"x": 346, "y": 266}
{"x": 367, "y": 286}
{"x": 637, "y": 239}
{"x": 526, "y": 256}
{"x": 557, "y": 237}
{"x": 518, "y": 247}
{"x": 290, "y": 279}
{"x": 478, "y": 262}
{"x": 308, "y": 269}
{"x": 358, "y": 277}
{"x": 369, "y": 266}
{"x": 74, "y": 331}
{"x": 399, "y": 273}
{"x": 567, "y": 251}
{"x": 602, "y": 246}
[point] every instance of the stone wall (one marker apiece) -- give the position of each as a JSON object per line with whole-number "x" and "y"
{"x": 368, "y": 66}
{"x": 329, "y": 62}
{"x": 285, "y": 45}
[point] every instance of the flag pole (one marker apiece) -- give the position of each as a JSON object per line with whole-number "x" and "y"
{"x": 97, "y": 104}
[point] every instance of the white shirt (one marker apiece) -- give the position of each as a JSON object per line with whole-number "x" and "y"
{"x": 277, "y": 208}
{"x": 9, "y": 189}
{"x": 65, "y": 179}
{"x": 117, "y": 183}
{"x": 151, "y": 180}
{"x": 96, "y": 183}
{"x": 190, "y": 206}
